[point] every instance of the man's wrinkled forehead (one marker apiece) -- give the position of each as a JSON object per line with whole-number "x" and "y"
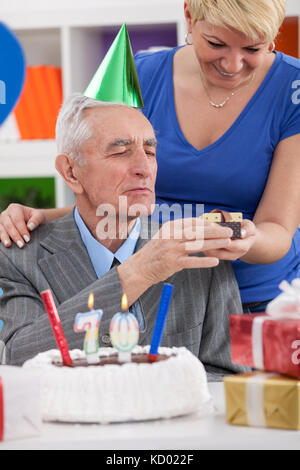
{"x": 116, "y": 125}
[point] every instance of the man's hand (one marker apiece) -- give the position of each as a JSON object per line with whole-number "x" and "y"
{"x": 169, "y": 252}
{"x": 16, "y": 223}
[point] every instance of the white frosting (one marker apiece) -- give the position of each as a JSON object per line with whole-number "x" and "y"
{"x": 131, "y": 392}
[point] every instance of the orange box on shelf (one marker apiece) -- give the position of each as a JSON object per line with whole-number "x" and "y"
{"x": 38, "y": 107}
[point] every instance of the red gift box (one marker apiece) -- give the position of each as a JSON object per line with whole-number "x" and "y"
{"x": 266, "y": 343}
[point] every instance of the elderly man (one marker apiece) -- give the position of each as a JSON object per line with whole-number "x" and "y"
{"x": 108, "y": 154}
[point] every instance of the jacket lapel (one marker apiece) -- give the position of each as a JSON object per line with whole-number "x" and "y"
{"x": 65, "y": 261}
{"x": 68, "y": 269}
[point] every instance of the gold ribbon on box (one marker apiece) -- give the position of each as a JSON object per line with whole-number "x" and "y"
{"x": 263, "y": 400}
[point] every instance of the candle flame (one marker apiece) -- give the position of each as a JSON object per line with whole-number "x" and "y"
{"x": 124, "y": 303}
{"x": 91, "y": 301}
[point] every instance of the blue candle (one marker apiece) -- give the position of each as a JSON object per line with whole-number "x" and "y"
{"x": 162, "y": 314}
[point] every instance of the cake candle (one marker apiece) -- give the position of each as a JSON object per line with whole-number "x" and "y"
{"x": 162, "y": 314}
{"x": 90, "y": 323}
{"x": 55, "y": 323}
{"x": 124, "y": 332}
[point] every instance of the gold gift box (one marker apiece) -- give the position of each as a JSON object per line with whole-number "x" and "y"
{"x": 275, "y": 398}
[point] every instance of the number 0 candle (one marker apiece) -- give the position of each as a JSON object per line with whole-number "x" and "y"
{"x": 90, "y": 323}
{"x": 124, "y": 332}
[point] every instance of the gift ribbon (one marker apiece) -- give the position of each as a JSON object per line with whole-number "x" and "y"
{"x": 257, "y": 342}
{"x": 255, "y": 399}
{"x": 1, "y": 412}
{"x": 292, "y": 293}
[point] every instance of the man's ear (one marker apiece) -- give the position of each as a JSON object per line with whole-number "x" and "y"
{"x": 65, "y": 167}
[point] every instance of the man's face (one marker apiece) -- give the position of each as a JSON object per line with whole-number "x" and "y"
{"x": 120, "y": 159}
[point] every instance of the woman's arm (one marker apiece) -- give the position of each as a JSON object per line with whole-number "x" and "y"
{"x": 278, "y": 214}
{"x": 268, "y": 238}
{"x": 17, "y": 221}
{"x": 52, "y": 214}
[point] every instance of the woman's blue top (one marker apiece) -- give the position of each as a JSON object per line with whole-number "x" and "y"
{"x": 230, "y": 174}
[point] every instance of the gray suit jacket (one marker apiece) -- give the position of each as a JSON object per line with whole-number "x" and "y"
{"x": 56, "y": 259}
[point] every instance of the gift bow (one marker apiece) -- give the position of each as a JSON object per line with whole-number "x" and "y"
{"x": 285, "y": 307}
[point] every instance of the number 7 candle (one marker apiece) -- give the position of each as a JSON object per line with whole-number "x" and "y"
{"x": 90, "y": 323}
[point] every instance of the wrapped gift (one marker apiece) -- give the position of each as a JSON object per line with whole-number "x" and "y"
{"x": 232, "y": 220}
{"x": 20, "y": 414}
{"x": 269, "y": 341}
{"x": 263, "y": 400}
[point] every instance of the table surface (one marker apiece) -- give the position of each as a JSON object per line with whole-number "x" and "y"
{"x": 184, "y": 433}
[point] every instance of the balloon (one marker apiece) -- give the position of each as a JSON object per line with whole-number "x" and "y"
{"x": 12, "y": 71}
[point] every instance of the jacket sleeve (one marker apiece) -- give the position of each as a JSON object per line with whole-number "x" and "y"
{"x": 26, "y": 328}
{"x": 223, "y": 300}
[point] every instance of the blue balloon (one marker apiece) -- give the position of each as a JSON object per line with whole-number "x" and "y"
{"x": 12, "y": 71}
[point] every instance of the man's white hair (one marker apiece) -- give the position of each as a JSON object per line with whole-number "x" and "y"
{"x": 72, "y": 126}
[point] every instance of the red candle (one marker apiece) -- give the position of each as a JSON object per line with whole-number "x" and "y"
{"x": 56, "y": 327}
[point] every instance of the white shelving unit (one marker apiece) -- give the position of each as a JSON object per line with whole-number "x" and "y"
{"x": 69, "y": 33}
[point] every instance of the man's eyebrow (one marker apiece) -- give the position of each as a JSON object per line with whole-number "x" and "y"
{"x": 150, "y": 142}
{"x": 120, "y": 143}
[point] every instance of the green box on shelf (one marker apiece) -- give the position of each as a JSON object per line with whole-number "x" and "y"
{"x": 33, "y": 192}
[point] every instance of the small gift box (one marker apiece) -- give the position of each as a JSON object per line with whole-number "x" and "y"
{"x": 269, "y": 342}
{"x": 20, "y": 415}
{"x": 263, "y": 400}
{"x": 232, "y": 220}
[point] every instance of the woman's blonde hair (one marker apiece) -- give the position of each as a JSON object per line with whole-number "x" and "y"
{"x": 255, "y": 18}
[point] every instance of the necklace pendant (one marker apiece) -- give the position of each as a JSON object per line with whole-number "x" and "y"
{"x": 215, "y": 105}
{"x": 221, "y": 105}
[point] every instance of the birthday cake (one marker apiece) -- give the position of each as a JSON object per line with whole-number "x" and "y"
{"x": 111, "y": 391}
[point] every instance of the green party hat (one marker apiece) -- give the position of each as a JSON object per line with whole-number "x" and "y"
{"x": 116, "y": 79}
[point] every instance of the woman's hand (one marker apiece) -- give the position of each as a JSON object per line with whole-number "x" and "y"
{"x": 16, "y": 223}
{"x": 237, "y": 248}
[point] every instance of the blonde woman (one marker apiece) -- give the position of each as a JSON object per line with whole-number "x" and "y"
{"x": 226, "y": 108}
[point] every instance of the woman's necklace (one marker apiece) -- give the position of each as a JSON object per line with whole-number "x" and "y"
{"x": 221, "y": 105}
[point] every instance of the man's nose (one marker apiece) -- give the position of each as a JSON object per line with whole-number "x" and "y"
{"x": 233, "y": 62}
{"x": 141, "y": 164}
